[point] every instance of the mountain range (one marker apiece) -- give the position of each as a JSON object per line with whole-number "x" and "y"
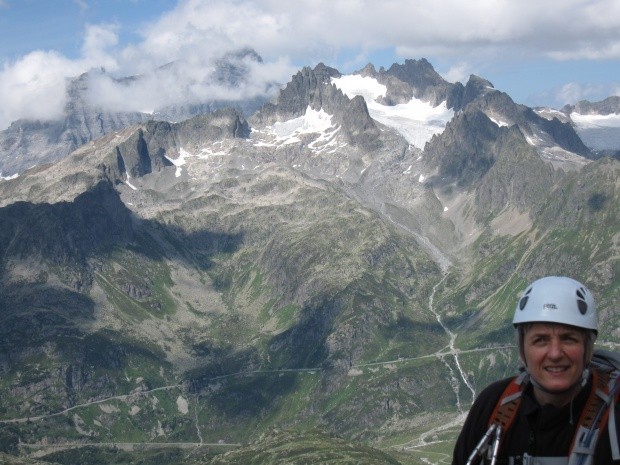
{"x": 333, "y": 269}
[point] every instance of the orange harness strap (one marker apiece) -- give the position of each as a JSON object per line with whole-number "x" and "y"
{"x": 508, "y": 404}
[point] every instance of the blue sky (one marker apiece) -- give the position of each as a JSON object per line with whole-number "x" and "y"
{"x": 549, "y": 52}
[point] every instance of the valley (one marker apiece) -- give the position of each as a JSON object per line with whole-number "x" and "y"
{"x": 334, "y": 272}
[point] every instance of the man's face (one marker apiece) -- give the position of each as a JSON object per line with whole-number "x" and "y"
{"x": 554, "y": 356}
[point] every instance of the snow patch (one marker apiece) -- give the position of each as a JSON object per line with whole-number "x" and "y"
{"x": 179, "y": 161}
{"x": 421, "y": 178}
{"x": 291, "y": 132}
{"x": 288, "y": 132}
{"x": 416, "y": 121}
{"x": 130, "y": 184}
{"x": 498, "y": 122}
{"x": 550, "y": 113}
{"x": 7, "y": 178}
{"x": 534, "y": 141}
{"x": 353, "y": 84}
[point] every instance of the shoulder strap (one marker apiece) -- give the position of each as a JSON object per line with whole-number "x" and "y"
{"x": 614, "y": 393}
{"x": 598, "y": 410}
{"x": 508, "y": 403}
{"x": 590, "y": 417}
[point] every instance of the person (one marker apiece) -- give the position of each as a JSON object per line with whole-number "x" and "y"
{"x": 535, "y": 417}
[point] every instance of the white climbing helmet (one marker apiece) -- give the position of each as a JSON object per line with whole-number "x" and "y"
{"x": 557, "y": 299}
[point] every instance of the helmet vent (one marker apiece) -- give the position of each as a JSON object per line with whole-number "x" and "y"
{"x": 583, "y": 307}
{"x": 581, "y": 301}
{"x": 524, "y": 299}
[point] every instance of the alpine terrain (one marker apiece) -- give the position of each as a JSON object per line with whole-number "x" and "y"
{"x": 326, "y": 276}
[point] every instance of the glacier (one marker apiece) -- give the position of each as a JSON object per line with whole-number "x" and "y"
{"x": 417, "y": 121}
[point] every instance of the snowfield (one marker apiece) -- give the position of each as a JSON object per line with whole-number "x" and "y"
{"x": 598, "y": 132}
{"x": 416, "y": 121}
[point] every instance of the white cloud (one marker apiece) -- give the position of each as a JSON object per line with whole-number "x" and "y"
{"x": 571, "y": 92}
{"x": 180, "y": 82}
{"x": 310, "y": 30}
{"x": 99, "y": 40}
{"x": 34, "y": 87}
{"x": 307, "y": 31}
{"x": 459, "y": 72}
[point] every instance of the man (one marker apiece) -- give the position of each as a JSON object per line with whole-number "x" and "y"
{"x": 533, "y": 418}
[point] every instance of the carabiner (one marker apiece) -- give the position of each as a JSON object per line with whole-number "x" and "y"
{"x": 482, "y": 445}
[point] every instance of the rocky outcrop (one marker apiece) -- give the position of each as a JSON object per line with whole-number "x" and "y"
{"x": 154, "y": 144}
{"x": 465, "y": 151}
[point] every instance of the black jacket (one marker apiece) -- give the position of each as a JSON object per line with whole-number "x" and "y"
{"x": 543, "y": 431}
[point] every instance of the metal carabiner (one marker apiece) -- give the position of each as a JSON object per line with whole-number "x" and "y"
{"x": 483, "y": 444}
{"x": 496, "y": 441}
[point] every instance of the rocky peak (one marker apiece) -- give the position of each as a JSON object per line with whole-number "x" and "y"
{"x": 464, "y": 152}
{"x": 368, "y": 71}
{"x": 418, "y": 73}
{"x": 232, "y": 69}
{"x": 312, "y": 88}
{"x": 426, "y": 84}
{"x": 475, "y": 88}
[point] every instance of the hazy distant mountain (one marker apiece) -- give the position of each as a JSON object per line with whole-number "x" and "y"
{"x": 87, "y": 116}
{"x": 598, "y": 124}
{"x": 335, "y": 271}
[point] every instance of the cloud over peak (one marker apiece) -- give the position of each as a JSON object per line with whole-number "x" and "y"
{"x": 195, "y": 33}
